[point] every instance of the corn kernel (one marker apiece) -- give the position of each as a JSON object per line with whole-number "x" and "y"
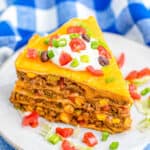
{"x": 127, "y": 122}
{"x": 65, "y": 117}
{"x": 31, "y": 75}
{"x": 69, "y": 109}
{"x": 79, "y": 101}
{"x": 103, "y": 102}
{"x": 101, "y": 117}
{"x": 115, "y": 120}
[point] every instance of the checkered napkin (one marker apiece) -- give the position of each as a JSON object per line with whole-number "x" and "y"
{"x": 20, "y": 19}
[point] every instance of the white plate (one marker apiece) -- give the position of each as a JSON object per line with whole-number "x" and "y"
{"x": 137, "y": 57}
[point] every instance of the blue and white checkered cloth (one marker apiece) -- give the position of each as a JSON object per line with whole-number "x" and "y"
{"x": 20, "y": 19}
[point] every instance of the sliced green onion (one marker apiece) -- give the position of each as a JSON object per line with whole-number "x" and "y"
{"x": 109, "y": 80}
{"x": 55, "y": 43}
{"x": 105, "y": 136}
{"x": 114, "y": 146}
{"x": 62, "y": 42}
{"x": 74, "y": 35}
{"x": 145, "y": 91}
{"x": 84, "y": 58}
{"x": 54, "y": 139}
{"x": 46, "y": 41}
{"x": 51, "y": 54}
{"x": 94, "y": 44}
{"x": 74, "y": 62}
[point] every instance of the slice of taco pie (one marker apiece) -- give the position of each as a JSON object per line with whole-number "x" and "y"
{"x": 71, "y": 76}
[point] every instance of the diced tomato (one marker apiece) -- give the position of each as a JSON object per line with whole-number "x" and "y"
{"x": 32, "y": 53}
{"x": 67, "y": 146}
{"x": 77, "y": 44}
{"x": 31, "y": 120}
{"x": 103, "y": 52}
{"x": 64, "y": 132}
{"x": 132, "y": 87}
{"x": 64, "y": 58}
{"x": 121, "y": 60}
{"x": 93, "y": 71}
{"x": 76, "y": 29}
{"x": 132, "y": 75}
{"x": 133, "y": 92}
{"x": 106, "y": 108}
{"x": 61, "y": 83}
{"x": 90, "y": 139}
{"x": 55, "y": 36}
{"x": 143, "y": 72}
{"x": 138, "y": 74}
{"x": 135, "y": 95}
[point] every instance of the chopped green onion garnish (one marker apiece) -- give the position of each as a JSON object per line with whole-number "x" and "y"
{"x": 105, "y": 136}
{"x": 114, "y": 146}
{"x": 55, "y": 43}
{"x": 145, "y": 91}
{"x": 62, "y": 42}
{"x": 46, "y": 41}
{"x": 51, "y": 54}
{"x": 74, "y": 35}
{"x": 84, "y": 58}
{"x": 54, "y": 139}
{"x": 74, "y": 62}
{"x": 109, "y": 80}
{"x": 94, "y": 44}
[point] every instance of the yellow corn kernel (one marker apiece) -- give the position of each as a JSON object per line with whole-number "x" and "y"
{"x": 78, "y": 112}
{"x": 115, "y": 120}
{"x": 65, "y": 117}
{"x": 31, "y": 75}
{"x": 127, "y": 122}
{"x": 101, "y": 117}
{"x": 79, "y": 101}
{"x": 103, "y": 102}
{"x": 69, "y": 109}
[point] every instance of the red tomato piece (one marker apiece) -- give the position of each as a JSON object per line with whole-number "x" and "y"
{"x": 55, "y": 36}
{"x": 89, "y": 139}
{"x": 32, "y": 53}
{"x": 31, "y": 120}
{"x": 133, "y": 92}
{"x": 132, "y": 87}
{"x": 132, "y": 75}
{"x": 93, "y": 71}
{"x": 106, "y": 108}
{"x": 61, "y": 83}
{"x": 67, "y": 146}
{"x": 64, "y": 132}
{"x": 143, "y": 72}
{"x": 77, "y": 44}
{"x": 64, "y": 58}
{"x": 76, "y": 29}
{"x": 103, "y": 52}
{"x": 121, "y": 60}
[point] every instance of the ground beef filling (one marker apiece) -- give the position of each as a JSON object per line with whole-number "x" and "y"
{"x": 62, "y": 85}
{"x": 68, "y": 113}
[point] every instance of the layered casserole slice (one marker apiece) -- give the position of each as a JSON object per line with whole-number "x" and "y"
{"x": 71, "y": 76}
